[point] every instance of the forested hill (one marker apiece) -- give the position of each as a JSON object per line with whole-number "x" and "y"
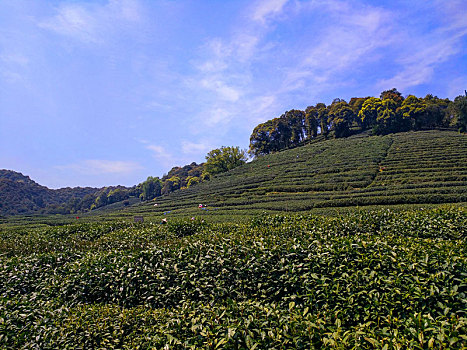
{"x": 21, "y": 195}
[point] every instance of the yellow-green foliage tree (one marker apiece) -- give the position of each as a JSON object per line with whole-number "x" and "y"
{"x": 223, "y": 159}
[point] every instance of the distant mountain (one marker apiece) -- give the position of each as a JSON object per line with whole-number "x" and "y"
{"x": 21, "y": 195}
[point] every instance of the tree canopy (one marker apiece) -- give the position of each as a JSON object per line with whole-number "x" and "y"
{"x": 224, "y": 159}
{"x": 389, "y": 113}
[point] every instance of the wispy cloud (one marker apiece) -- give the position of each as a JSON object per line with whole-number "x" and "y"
{"x": 418, "y": 68}
{"x": 349, "y": 38}
{"x": 101, "y": 166}
{"x": 237, "y": 69}
{"x": 89, "y": 23}
{"x": 421, "y": 55}
{"x": 228, "y": 68}
{"x": 74, "y": 21}
{"x": 159, "y": 153}
{"x": 266, "y": 9}
{"x": 224, "y": 91}
{"x": 189, "y": 147}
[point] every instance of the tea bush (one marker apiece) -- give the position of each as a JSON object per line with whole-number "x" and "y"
{"x": 365, "y": 280}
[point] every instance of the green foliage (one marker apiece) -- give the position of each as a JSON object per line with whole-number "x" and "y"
{"x": 413, "y": 110}
{"x": 368, "y": 114}
{"x": 460, "y": 113}
{"x": 283, "y": 132}
{"x": 151, "y": 188}
{"x": 365, "y": 280}
{"x": 182, "y": 228}
{"x": 192, "y": 180}
{"x": 341, "y": 117}
{"x": 223, "y": 159}
{"x": 390, "y": 113}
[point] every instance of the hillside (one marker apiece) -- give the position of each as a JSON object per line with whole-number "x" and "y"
{"x": 405, "y": 168}
{"x": 424, "y": 167}
{"x": 21, "y": 195}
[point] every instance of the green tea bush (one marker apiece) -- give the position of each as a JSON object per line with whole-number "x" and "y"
{"x": 365, "y": 280}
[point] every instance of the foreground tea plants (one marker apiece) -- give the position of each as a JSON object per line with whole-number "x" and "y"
{"x": 363, "y": 281}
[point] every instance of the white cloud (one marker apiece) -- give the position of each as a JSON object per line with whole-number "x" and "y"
{"x": 421, "y": 56}
{"x": 349, "y": 37}
{"x": 74, "y": 21}
{"x": 189, "y": 147}
{"x": 267, "y": 8}
{"x": 351, "y": 40}
{"x": 90, "y": 23}
{"x": 100, "y": 166}
{"x": 223, "y": 90}
{"x": 159, "y": 153}
{"x": 228, "y": 67}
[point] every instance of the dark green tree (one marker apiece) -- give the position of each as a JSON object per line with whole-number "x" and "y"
{"x": 460, "y": 113}
{"x": 322, "y": 116}
{"x": 341, "y": 117}
{"x": 356, "y": 104}
{"x": 311, "y": 122}
{"x": 296, "y": 123}
{"x": 151, "y": 188}
{"x": 260, "y": 139}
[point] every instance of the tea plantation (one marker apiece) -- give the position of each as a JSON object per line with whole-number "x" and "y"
{"x": 364, "y": 280}
{"x": 356, "y": 243}
{"x": 413, "y": 168}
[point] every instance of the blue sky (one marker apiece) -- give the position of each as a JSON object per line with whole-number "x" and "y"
{"x": 96, "y": 93}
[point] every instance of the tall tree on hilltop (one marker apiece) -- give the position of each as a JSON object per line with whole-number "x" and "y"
{"x": 356, "y": 104}
{"x": 151, "y": 188}
{"x": 369, "y": 112}
{"x": 460, "y": 113}
{"x": 413, "y": 111}
{"x": 281, "y": 133}
{"x": 392, "y": 94}
{"x": 311, "y": 122}
{"x": 387, "y": 117}
{"x": 296, "y": 122}
{"x": 322, "y": 113}
{"x": 341, "y": 117}
{"x": 260, "y": 140}
{"x": 170, "y": 185}
{"x": 436, "y": 109}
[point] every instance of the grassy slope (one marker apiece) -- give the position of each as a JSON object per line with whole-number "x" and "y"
{"x": 427, "y": 167}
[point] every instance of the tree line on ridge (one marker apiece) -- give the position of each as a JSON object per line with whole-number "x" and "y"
{"x": 390, "y": 113}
